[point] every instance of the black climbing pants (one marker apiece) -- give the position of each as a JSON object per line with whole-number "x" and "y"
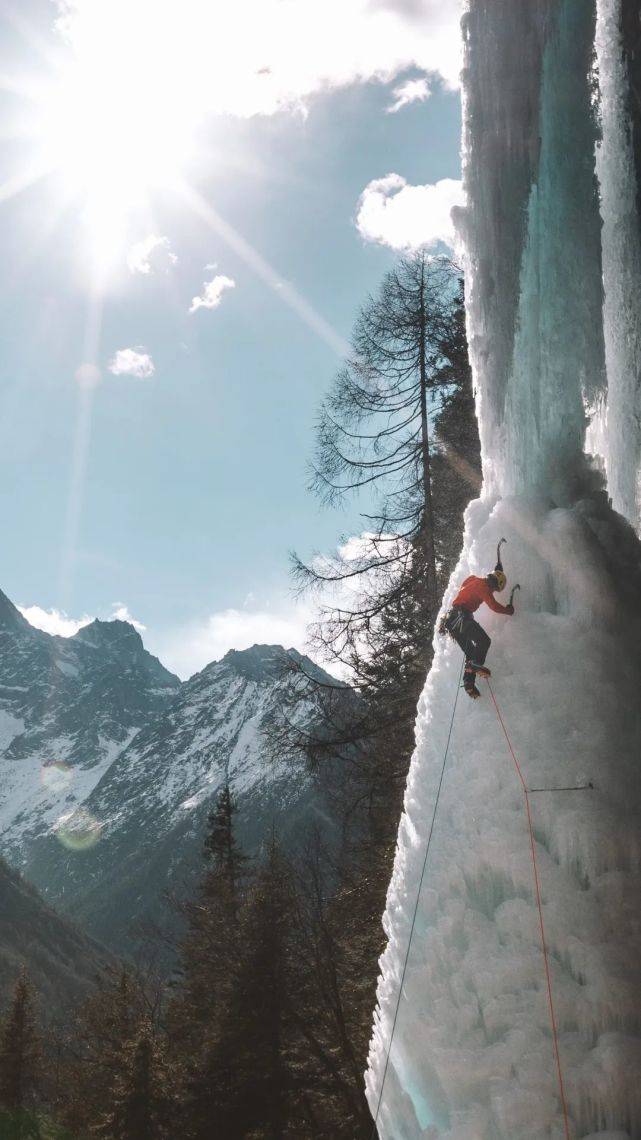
{"x": 467, "y": 633}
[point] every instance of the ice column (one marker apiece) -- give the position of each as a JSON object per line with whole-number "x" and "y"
{"x": 621, "y": 267}
{"x": 472, "y": 1057}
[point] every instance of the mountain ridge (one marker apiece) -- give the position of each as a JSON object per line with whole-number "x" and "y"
{"x": 111, "y": 764}
{"x": 62, "y": 961}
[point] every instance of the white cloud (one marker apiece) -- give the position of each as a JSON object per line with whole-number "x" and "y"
{"x": 412, "y": 91}
{"x": 53, "y": 621}
{"x": 132, "y": 362}
{"x": 120, "y": 612}
{"x": 59, "y": 623}
{"x": 283, "y": 621}
{"x": 252, "y": 58}
{"x": 393, "y": 213}
{"x": 212, "y": 293}
{"x": 188, "y": 649}
{"x": 153, "y": 252}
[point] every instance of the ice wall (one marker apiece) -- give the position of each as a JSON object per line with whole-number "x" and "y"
{"x": 532, "y": 233}
{"x": 472, "y": 1055}
{"x": 621, "y": 266}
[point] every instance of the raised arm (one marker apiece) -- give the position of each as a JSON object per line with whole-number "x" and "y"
{"x": 490, "y": 600}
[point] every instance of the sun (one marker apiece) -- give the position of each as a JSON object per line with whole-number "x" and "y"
{"x": 116, "y": 118}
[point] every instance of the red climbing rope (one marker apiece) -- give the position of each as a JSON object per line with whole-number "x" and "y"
{"x": 555, "y": 1034}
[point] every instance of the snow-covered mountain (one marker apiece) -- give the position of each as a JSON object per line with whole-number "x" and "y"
{"x": 110, "y": 765}
{"x": 68, "y": 707}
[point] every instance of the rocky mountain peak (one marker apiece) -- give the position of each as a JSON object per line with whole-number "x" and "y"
{"x": 113, "y": 633}
{"x": 270, "y": 663}
{"x": 120, "y": 643}
{"x": 10, "y": 616}
{"x": 259, "y": 662}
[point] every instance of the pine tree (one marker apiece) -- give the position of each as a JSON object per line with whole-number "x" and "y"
{"x": 400, "y": 418}
{"x": 329, "y": 1027}
{"x": 374, "y": 438}
{"x": 220, "y": 843}
{"x": 250, "y": 1058}
{"x": 209, "y": 950}
{"x": 140, "y": 1103}
{"x": 108, "y": 1020}
{"x": 20, "y": 1051}
{"x": 208, "y": 971}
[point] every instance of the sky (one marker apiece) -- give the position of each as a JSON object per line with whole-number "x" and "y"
{"x": 195, "y": 200}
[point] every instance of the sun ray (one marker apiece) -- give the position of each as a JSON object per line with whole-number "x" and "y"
{"x": 87, "y": 378}
{"x": 257, "y": 263}
{"x": 18, "y": 183}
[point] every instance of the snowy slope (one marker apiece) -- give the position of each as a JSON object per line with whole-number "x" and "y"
{"x": 153, "y": 801}
{"x": 472, "y": 1055}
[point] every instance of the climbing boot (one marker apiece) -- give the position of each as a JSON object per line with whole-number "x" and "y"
{"x": 468, "y": 684}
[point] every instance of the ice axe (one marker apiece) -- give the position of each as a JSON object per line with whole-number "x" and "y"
{"x": 514, "y": 589}
{"x": 499, "y": 564}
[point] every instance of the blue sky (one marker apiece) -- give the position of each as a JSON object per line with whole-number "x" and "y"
{"x": 153, "y": 459}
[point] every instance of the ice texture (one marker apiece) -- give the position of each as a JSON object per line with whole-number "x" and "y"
{"x": 472, "y": 1056}
{"x": 621, "y": 268}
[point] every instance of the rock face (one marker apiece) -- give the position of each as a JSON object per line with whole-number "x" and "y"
{"x": 62, "y": 963}
{"x": 110, "y": 766}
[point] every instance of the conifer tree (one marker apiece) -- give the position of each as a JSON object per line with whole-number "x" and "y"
{"x": 220, "y": 843}
{"x": 140, "y": 1108}
{"x": 400, "y": 418}
{"x": 108, "y": 1020}
{"x": 210, "y": 954}
{"x": 251, "y": 1056}
{"x": 329, "y": 976}
{"x": 20, "y": 1052}
{"x": 374, "y": 438}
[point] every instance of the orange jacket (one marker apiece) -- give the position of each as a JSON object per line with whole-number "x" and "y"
{"x": 474, "y": 592}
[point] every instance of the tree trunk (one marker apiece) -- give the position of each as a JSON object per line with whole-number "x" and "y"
{"x": 427, "y": 527}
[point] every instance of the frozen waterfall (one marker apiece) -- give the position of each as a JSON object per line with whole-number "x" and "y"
{"x": 552, "y": 239}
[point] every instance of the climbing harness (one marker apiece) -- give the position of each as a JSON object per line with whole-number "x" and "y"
{"x": 418, "y": 899}
{"x": 451, "y": 621}
{"x": 537, "y": 885}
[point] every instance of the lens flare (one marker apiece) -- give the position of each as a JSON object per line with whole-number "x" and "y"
{"x": 78, "y": 830}
{"x": 56, "y": 776}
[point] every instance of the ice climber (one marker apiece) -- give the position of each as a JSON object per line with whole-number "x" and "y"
{"x": 467, "y": 632}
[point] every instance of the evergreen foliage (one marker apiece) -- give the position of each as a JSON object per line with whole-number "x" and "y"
{"x": 141, "y": 1105}
{"x": 97, "y": 1050}
{"x": 19, "y": 1051}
